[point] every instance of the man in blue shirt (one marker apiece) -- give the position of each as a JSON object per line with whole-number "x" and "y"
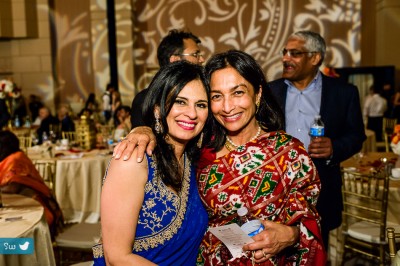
{"x": 304, "y": 92}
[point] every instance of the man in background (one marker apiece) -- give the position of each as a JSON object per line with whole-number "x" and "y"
{"x": 304, "y": 92}
{"x": 374, "y": 109}
{"x": 177, "y": 45}
{"x": 107, "y": 101}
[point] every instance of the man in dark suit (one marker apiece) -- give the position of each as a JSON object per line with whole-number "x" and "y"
{"x": 304, "y": 92}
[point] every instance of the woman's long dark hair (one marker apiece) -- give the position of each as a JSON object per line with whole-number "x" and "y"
{"x": 269, "y": 114}
{"x": 162, "y": 92}
{"x": 9, "y": 144}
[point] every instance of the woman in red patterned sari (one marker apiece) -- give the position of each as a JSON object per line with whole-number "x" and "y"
{"x": 252, "y": 163}
{"x": 257, "y": 166}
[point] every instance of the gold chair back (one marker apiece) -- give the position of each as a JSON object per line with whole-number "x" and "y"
{"x": 387, "y": 131}
{"x": 392, "y": 236}
{"x": 25, "y": 143}
{"x": 365, "y": 200}
{"x": 47, "y": 170}
{"x": 70, "y": 135}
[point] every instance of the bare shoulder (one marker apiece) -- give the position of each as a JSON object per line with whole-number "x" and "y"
{"x": 128, "y": 172}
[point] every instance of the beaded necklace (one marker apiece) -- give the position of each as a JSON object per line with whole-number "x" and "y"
{"x": 230, "y": 143}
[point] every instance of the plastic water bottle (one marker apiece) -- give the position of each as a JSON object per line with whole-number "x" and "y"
{"x": 27, "y": 123}
{"x": 45, "y": 137}
{"x": 248, "y": 223}
{"x": 17, "y": 122}
{"x": 317, "y": 127}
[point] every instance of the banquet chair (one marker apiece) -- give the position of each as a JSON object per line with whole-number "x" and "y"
{"x": 25, "y": 143}
{"x": 387, "y": 130}
{"x": 70, "y": 135}
{"x": 47, "y": 170}
{"x": 365, "y": 200}
{"x": 392, "y": 238}
{"x": 76, "y": 239}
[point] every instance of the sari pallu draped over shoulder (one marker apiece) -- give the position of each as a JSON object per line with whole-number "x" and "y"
{"x": 274, "y": 177}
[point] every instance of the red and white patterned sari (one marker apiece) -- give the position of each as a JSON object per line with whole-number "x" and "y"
{"x": 274, "y": 177}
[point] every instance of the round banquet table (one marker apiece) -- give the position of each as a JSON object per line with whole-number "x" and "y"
{"x": 78, "y": 186}
{"x": 32, "y": 225}
{"x": 78, "y": 181}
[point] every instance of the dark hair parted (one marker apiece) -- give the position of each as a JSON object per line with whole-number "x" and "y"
{"x": 269, "y": 114}
{"x": 9, "y": 144}
{"x": 173, "y": 44}
{"x": 162, "y": 92}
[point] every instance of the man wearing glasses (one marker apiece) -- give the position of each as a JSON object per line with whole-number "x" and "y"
{"x": 176, "y": 46}
{"x": 304, "y": 92}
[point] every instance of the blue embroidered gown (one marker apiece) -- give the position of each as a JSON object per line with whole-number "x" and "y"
{"x": 170, "y": 226}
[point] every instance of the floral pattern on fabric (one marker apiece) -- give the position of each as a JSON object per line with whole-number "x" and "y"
{"x": 276, "y": 180}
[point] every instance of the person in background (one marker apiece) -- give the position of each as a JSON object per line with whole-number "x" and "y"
{"x": 374, "y": 109}
{"x": 151, "y": 213}
{"x": 34, "y": 105}
{"x": 252, "y": 163}
{"x": 18, "y": 105}
{"x": 116, "y": 102}
{"x": 4, "y": 114}
{"x": 18, "y": 175}
{"x": 176, "y": 46}
{"x": 91, "y": 105}
{"x": 122, "y": 119}
{"x": 47, "y": 120}
{"x": 107, "y": 102}
{"x": 396, "y": 105}
{"x": 304, "y": 92}
{"x": 64, "y": 118}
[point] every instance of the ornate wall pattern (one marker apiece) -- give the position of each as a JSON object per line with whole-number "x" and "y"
{"x": 259, "y": 27}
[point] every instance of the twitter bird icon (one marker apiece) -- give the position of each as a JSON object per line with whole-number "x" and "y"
{"x": 16, "y": 245}
{"x": 24, "y": 246}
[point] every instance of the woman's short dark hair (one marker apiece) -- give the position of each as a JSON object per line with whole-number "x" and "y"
{"x": 162, "y": 92}
{"x": 269, "y": 114}
{"x": 9, "y": 144}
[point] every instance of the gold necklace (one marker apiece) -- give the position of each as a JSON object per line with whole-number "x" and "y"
{"x": 229, "y": 142}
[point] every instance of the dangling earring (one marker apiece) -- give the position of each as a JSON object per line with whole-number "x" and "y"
{"x": 200, "y": 141}
{"x": 157, "y": 126}
{"x": 257, "y": 106}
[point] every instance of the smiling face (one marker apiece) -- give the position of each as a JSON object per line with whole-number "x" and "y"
{"x": 302, "y": 69}
{"x": 188, "y": 114}
{"x": 233, "y": 101}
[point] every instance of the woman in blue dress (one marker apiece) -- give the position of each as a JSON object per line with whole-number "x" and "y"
{"x": 151, "y": 213}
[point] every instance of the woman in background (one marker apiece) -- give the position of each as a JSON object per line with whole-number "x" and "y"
{"x": 18, "y": 175}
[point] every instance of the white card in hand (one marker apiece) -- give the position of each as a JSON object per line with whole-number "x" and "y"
{"x": 233, "y": 237}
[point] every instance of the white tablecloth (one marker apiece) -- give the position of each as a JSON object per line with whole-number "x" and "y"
{"x": 32, "y": 225}
{"x": 78, "y": 187}
{"x": 78, "y": 180}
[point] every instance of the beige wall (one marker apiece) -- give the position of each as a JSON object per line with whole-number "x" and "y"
{"x": 28, "y": 60}
{"x": 387, "y": 35}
